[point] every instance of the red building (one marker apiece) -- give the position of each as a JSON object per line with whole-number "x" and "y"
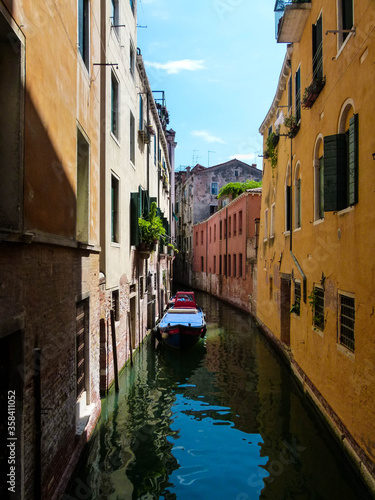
{"x": 225, "y": 251}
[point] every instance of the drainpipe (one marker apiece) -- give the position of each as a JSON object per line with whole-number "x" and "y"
{"x": 38, "y": 425}
{"x": 291, "y": 228}
{"x": 226, "y": 242}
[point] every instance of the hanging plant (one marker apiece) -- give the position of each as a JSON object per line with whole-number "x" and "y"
{"x": 271, "y": 151}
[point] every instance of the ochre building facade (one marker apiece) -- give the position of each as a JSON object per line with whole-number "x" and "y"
{"x": 316, "y": 271}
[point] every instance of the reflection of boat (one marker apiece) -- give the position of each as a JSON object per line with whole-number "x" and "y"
{"x": 183, "y": 324}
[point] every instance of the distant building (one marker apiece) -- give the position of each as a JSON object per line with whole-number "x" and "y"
{"x": 225, "y": 251}
{"x": 316, "y": 279}
{"x": 196, "y": 200}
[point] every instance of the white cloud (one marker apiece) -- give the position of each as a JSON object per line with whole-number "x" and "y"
{"x": 249, "y": 156}
{"x": 206, "y": 136}
{"x": 173, "y": 67}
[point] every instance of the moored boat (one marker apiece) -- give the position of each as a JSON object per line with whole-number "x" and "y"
{"x": 183, "y": 324}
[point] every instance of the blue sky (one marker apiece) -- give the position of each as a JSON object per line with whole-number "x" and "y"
{"x": 219, "y": 64}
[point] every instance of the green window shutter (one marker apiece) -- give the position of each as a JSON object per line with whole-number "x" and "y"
{"x": 353, "y": 161}
{"x": 134, "y": 215}
{"x": 335, "y": 184}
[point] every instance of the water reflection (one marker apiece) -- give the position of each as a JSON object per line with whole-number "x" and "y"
{"x": 224, "y": 421}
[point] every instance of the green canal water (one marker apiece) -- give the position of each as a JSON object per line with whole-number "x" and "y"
{"x": 225, "y": 420}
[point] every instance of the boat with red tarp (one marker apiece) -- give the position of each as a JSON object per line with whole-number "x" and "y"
{"x": 183, "y": 324}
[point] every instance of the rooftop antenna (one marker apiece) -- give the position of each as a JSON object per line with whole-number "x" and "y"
{"x": 195, "y": 157}
{"x": 208, "y": 158}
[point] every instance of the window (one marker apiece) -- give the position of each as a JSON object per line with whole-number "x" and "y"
{"x": 234, "y": 265}
{"x": 265, "y": 224}
{"x": 83, "y": 30}
{"x": 240, "y": 265}
{"x": 225, "y": 228}
{"x": 114, "y": 209}
{"x": 140, "y": 112}
{"x": 317, "y": 43}
{"x": 214, "y": 188}
{"x": 230, "y": 227}
{"x": 214, "y": 264}
{"x": 346, "y": 321}
{"x": 196, "y": 238}
{"x": 229, "y": 265}
{"x": 235, "y": 225}
{"x": 236, "y": 173}
{"x": 82, "y": 332}
{"x": 317, "y": 302}
{"x": 341, "y": 168}
{"x": 272, "y": 221}
{"x": 11, "y": 126}
{"x": 132, "y": 59}
{"x": 288, "y": 201}
{"x": 115, "y": 14}
{"x": 221, "y": 229}
{"x": 270, "y": 288}
{"x": 83, "y": 193}
{"x": 210, "y": 233}
{"x": 297, "y": 102}
{"x": 214, "y": 232}
{"x": 240, "y": 222}
{"x": 297, "y": 198}
{"x": 220, "y": 265}
{"x": 213, "y": 209}
{"x": 132, "y": 138}
{"x": 225, "y": 264}
{"x": 115, "y": 305}
{"x": 345, "y": 19}
{"x": 202, "y": 264}
{"x": 290, "y": 95}
{"x": 201, "y": 237}
{"x": 114, "y": 105}
{"x": 296, "y": 308}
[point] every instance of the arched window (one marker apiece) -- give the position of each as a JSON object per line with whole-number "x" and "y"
{"x": 319, "y": 179}
{"x": 297, "y": 197}
{"x": 288, "y": 199}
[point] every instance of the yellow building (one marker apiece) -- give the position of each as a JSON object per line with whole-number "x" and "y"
{"x": 316, "y": 266}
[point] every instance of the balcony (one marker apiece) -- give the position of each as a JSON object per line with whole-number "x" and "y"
{"x": 290, "y": 19}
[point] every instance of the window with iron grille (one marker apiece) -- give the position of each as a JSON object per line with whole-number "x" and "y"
{"x": 82, "y": 326}
{"x": 297, "y": 298}
{"x": 346, "y": 321}
{"x": 318, "y": 308}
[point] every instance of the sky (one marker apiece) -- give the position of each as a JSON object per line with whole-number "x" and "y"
{"x": 219, "y": 65}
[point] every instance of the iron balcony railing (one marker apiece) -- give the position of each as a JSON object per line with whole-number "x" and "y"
{"x": 279, "y": 11}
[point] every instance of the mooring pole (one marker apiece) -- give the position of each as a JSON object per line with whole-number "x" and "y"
{"x": 114, "y": 349}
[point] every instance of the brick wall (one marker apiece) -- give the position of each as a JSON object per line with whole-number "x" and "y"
{"x": 62, "y": 276}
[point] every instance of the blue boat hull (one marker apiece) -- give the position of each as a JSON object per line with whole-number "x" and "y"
{"x": 181, "y": 331}
{"x": 181, "y": 340}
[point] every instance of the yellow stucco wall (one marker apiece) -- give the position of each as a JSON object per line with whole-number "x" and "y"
{"x": 59, "y": 94}
{"x": 338, "y": 250}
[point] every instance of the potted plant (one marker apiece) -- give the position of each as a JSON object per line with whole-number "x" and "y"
{"x": 151, "y": 229}
{"x": 312, "y": 92}
{"x": 292, "y": 124}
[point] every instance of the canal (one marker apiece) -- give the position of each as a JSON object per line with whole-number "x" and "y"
{"x": 225, "y": 420}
